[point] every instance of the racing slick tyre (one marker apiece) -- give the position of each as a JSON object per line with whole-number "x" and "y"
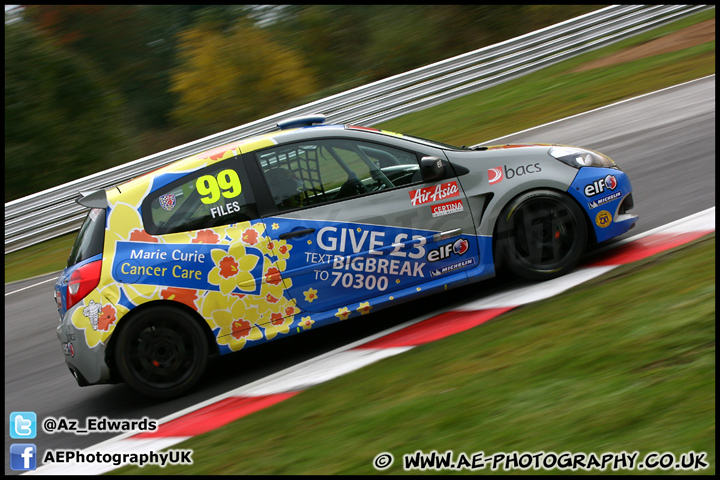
{"x": 162, "y": 351}
{"x": 540, "y": 235}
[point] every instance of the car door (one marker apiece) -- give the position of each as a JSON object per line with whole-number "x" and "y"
{"x": 355, "y": 221}
{"x": 200, "y": 247}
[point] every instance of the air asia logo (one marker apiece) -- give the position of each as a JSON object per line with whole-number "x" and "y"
{"x": 446, "y": 251}
{"x": 432, "y": 194}
{"x": 497, "y": 174}
{"x": 599, "y": 186}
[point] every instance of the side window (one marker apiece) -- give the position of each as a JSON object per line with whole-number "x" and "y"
{"x": 220, "y": 194}
{"x": 322, "y": 171}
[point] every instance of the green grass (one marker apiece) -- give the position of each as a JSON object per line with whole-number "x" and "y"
{"x": 543, "y": 96}
{"x": 623, "y": 363}
{"x": 557, "y": 92}
{"x": 46, "y": 257}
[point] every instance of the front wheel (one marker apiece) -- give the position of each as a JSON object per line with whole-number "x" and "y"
{"x": 540, "y": 235}
{"x": 161, "y": 352}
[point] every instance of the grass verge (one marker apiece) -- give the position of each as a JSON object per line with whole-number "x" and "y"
{"x": 623, "y": 363}
{"x": 549, "y": 94}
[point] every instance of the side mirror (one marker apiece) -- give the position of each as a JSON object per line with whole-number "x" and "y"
{"x": 432, "y": 169}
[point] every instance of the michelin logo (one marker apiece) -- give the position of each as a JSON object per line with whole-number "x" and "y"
{"x": 602, "y": 201}
{"x": 450, "y": 268}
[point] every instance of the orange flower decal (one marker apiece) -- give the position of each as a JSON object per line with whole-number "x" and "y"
{"x": 276, "y": 319}
{"x": 240, "y": 328}
{"x": 250, "y": 236}
{"x": 206, "y": 236}
{"x": 140, "y": 235}
{"x": 182, "y": 295}
{"x": 106, "y": 318}
{"x": 228, "y": 267}
{"x": 273, "y": 276}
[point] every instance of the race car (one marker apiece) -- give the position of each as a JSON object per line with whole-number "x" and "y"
{"x": 309, "y": 225}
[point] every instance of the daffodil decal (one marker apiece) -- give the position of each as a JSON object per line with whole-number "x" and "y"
{"x": 278, "y": 323}
{"x": 233, "y": 269}
{"x": 236, "y": 326}
{"x": 306, "y": 323}
{"x": 275, "y": 226}
{"x": 343, "y": 313}
{"x": 310, "y": 295}
{"x": 272, "y": 276}
{"x": 364, "y": 308}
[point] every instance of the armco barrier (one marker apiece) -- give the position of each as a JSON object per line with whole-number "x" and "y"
{"x": 53, "y": 212}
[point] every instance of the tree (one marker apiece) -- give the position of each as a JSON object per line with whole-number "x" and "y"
{"x": 62, "y": 121}
{"x": 227, "y": 78}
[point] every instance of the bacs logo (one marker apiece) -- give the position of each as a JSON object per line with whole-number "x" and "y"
{"x": 459, "y": 247}
{"x": 497, "y": 174}
{"x": 599, "y": 186}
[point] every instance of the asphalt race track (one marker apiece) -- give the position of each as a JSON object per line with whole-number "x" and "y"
{"x": 664, "y": 141}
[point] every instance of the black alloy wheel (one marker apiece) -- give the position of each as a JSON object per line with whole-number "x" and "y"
{"x": 540, "y": 235}
{"x": 162, "y": 352}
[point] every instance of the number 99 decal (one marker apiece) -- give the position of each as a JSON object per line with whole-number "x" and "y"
{"x": 226, "y": 183}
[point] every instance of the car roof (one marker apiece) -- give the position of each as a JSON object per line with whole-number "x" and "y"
{"x": 241, "y": 146}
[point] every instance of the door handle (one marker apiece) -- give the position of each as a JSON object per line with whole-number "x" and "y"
{"x": 445, "y": 235}
{"x": 296, "y": 233}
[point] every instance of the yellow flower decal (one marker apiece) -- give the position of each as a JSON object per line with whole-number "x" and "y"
{"x": 279, "y": 323}
{"x": 364, "y": 308}
{"x": 235, "y": 328}
{"x": 275, "y": 226}
{"x": 343, "y": 313}
{"x": 310, "y": 295}
{"x": 232, "y": 269}
{"x": 306, "y": 323}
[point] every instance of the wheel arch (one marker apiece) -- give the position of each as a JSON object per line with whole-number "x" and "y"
{"x": 499, "y": 208}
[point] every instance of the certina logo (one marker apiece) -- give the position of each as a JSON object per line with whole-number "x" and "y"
{"x": 599, "y": 186}
{"x": 497, "y": 174}
{"x": 432, "y": 194}
{"x": 459, "y": 247}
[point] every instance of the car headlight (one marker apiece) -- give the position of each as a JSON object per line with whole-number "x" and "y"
{"x": 579, "y": 157}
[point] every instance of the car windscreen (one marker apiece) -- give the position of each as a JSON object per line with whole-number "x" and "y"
{"x": 89, "y": 241}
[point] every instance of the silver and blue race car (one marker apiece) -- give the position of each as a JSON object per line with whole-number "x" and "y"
{"x": 310, "y": 225}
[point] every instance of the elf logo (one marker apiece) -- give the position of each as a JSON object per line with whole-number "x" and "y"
{"x": 459, "y": 247}
{"x": 497, "y": 174}
{"x": 599, "y": 186}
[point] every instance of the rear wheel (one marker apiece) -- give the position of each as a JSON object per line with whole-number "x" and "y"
{"x": 161, "y": 352}
{"x": 540, "y": 235}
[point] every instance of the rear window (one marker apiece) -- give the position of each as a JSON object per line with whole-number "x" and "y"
{"x": 89, "y": 241}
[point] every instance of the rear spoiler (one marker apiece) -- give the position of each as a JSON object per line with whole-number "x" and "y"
{"x": 96, "y": 199}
